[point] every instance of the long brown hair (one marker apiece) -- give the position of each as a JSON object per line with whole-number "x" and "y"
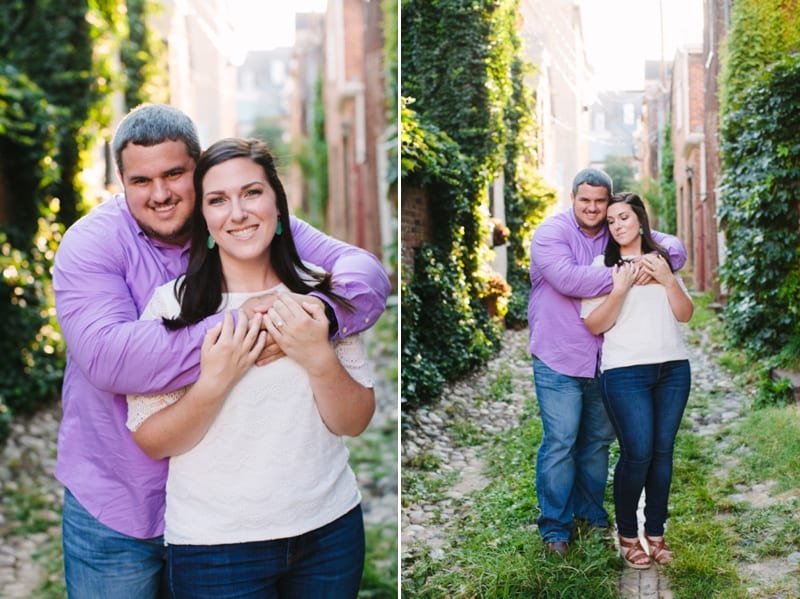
{"x": 200, "y": 291}
{"x": 612, "y": 253}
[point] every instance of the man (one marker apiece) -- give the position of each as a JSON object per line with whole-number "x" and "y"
{"x": 572, "y": 463}
{"x": 106, "y": 269}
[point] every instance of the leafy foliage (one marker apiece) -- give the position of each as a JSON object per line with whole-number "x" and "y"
{"x": 144, "y": 56}
{"x": 471, "y": 120}
{"x": 56, "y": 83}
{"x": 621, "y": 173}
{"x": 667, "y": 197}
{"x": 526, "y": 193}
{"x": 390, "y": 47}
{"x": 32, "y": 349}
{"x": 312, "y": 158}
{"x": 32, "y": 346}
{"x": 761, "y": 31}
{"x": 760, "y": 147}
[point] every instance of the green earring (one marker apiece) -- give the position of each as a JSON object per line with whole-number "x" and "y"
{"x": 641, "y": 231}
{"x": 211, "y": 243}
{"x": 279, "y": 228}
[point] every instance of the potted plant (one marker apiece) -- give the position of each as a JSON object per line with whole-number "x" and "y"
{"x": 500, "y": 233}
{"x": 495, "y": 293}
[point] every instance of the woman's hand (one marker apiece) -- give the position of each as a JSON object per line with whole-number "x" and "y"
{"x": 229, "y": 351}
{"x": 300, "y": 327}
{"x": 657, "y": 267}
{"x": 623, "y": 276}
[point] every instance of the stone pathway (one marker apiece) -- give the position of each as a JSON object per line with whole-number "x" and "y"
{"x": 427, "y": 433}
{"x": 27, "y": 461}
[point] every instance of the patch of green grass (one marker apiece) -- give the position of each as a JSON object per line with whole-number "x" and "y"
{"x": 375, "y": 450}
{"x": 379, "y": 580}
{"x": 423, "y": 461}
{"x": 773, "y": 437}
{"x": 29, "y": 510}
{"x": 705, "y": 566}
{"x": 713, "y": 535}
{"x": 51, "y": 560}
{"x": 496, "y": 550}
{"x": 467, "y": 434}
{"x": 502, "y": 385}
{"x": 425, "y": 486}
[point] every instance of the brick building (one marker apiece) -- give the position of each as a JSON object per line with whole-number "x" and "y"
{"x": 716, "y": 26}
{"x": 688, "y": 142}
{"x": 360, "y": 209}
{"x": 553, "y": 41}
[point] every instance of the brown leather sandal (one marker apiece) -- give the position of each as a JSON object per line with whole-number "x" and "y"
{"x": 633, "y": 553}
{"x": 659, "y": 550}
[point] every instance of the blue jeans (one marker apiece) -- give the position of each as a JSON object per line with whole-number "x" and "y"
{"x": 572, "y": 464}
{"x": 101, "y": 562}
{"x": 324, "y": 563}
{"x": 645, "y": 404}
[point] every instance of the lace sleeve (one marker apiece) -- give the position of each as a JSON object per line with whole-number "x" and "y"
{"x": 141, "y": 407}
{"x": 353, "y": 357}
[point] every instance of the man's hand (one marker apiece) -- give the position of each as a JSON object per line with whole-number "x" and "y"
{"x": 259, "y": 304}
{"x": 643, "y": 277}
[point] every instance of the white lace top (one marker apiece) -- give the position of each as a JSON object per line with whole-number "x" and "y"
{"x": 646, "y": 330}
{"x": 268, "y": 467}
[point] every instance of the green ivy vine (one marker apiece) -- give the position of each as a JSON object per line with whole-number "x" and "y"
{"x": 57, "y": 81}
{"x": 527, "y": 195}
{"x": 761, "y": 165}
{"x": 760, "y": 152}
{"x": 466, "y": 117}
{"x": 666, "y": 186}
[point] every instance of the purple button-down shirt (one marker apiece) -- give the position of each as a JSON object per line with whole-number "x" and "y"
{"x": 106, "y": 269}
{"x": 561, "y": 275}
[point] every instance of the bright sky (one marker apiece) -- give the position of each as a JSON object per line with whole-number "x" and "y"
{"x": 268, "y": 24}
{"x": 621, "y": 34}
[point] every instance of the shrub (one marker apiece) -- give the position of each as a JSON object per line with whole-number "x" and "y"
{"x": 761, "y": 159}
{"x": 31, "y": 346}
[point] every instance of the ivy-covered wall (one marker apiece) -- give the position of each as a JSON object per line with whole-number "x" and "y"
{"x": 466, "y": 118}
{"x": 527, "y": 195}
{"x": 760, "y": 198}
{"x": 666, "y": 185}
{"x": 57, "y": 77}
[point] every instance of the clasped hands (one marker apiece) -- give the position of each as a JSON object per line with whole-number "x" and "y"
{"x": 642, "y": 270}
{"x": 268, "y": 327}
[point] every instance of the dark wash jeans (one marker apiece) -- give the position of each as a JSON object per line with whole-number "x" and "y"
{"x": 645, "y": 403}
{"x": 323, "y": 563}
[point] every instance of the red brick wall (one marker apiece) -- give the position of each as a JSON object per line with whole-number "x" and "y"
{"x": 696, "y": 92}
{"x": 714, "y": 33}
{"x": 415, "y": 226}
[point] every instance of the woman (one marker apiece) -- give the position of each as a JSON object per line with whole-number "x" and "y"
{"x": 645, "y": 373}
{"x": 260, "y": 498}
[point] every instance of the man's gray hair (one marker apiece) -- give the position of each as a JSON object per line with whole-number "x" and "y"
{"x": 152, "y": 124}
{"x": 594, "y": 177}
